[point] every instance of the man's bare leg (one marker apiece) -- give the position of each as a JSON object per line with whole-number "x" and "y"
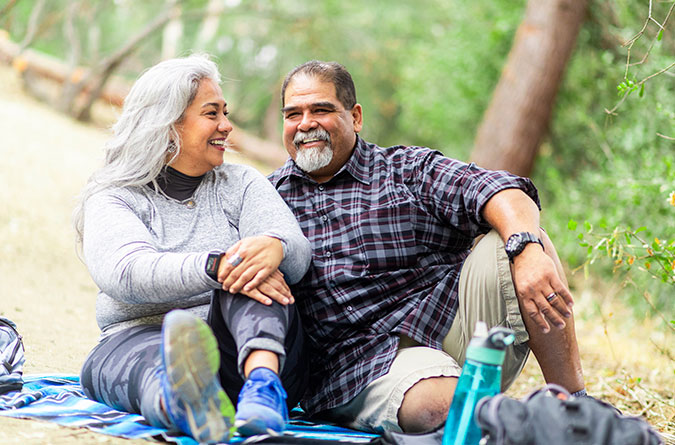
{"x": 556, "y": 351}
{"x": 425, "y": 405}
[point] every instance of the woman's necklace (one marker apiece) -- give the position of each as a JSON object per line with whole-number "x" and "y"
{"x": 179, "y": 186}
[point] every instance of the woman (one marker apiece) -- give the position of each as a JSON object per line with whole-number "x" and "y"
{"x": 191, "y": 257}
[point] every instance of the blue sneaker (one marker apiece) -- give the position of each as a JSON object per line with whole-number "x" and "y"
{"x": 262, "y": 404}
{"x": 193, "y": 398}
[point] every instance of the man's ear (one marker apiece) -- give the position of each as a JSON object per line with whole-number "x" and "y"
{"x": 357, "y": 116}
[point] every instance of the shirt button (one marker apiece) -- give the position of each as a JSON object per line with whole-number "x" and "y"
{"x": 328, "y": 253}
{"x": 321, "y": 188}
{"x": 324, "y": 218}
{"x": 350, "y": 309}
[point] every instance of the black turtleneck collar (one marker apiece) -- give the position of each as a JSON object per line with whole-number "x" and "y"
{"x": 178, "y": 185}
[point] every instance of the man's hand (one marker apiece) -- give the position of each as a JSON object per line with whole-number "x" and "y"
{"x": 535, "y": 274}
{"x": 535, "y": 277}
{"x": 249, "y": 262}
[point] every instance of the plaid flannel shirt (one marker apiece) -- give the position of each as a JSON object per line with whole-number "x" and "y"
{"x": 389, "y": 234}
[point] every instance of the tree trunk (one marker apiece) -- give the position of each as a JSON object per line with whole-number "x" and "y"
{"x": 8, "y": 7}
{"x": 520, "y": 111}
{"x": 98, "y": 76}
{"x": 209, "y": 26}
{"x": 70, "y": 89}
{"x": 270, "y": 128}
{"x": 265, "y": 151}
{"x": 33, "y": 25}
{"x": 173, "y": 31}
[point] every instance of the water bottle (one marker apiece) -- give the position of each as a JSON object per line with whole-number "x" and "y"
{"x": 481, "y": 377}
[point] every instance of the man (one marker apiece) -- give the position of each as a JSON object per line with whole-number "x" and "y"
{"x": 395, "y": 288}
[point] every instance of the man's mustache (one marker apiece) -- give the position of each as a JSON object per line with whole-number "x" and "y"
{"x": 316, "y": 134}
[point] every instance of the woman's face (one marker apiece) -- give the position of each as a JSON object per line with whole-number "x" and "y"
{"x": 203, "y": 131}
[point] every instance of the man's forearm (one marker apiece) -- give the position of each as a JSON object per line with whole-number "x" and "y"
{"x": 511, "y": 211}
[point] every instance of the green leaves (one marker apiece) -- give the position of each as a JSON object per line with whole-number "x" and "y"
{"x": 629, "y": 85}
{"x": 626, "y": 248}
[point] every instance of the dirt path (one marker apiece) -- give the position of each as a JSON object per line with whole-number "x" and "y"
{"x": 45, "y": 159}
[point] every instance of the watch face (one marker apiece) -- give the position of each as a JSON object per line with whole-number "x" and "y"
{"x": 515, "y": 244}
{"x": 513, "y": 241}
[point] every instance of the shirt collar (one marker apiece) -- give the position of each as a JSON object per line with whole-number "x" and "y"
{"x": 358, "y": 165}
{"x": 287, "y": 170}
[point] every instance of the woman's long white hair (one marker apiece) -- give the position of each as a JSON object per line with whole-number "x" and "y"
{"x": 145, "y": 133}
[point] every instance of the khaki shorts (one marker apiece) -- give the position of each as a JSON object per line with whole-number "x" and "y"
{"x": 486, "y": 293}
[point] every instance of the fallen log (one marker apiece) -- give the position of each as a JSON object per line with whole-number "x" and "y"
{"x": 44, "y": 66}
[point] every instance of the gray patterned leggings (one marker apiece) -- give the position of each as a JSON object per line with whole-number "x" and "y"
{"x": 122, "y": 371}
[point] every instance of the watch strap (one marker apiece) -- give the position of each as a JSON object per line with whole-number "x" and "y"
{"x": 518, "y": 241}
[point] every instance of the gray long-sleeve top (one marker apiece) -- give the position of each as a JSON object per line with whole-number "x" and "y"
{"x": 147, "y": 252}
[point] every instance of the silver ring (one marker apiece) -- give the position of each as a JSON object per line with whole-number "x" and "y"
{"x": 235, "y": 260}
{"x": 551, "y": 296}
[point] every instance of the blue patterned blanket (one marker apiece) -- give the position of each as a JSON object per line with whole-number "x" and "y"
{"x": 59, "y": 398}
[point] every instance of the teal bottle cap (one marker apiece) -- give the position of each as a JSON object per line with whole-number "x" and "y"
{"x": 485, "y": 355}
{"x": 489, "y": 347}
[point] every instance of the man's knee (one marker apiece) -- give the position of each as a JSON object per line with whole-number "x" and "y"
{"x": 425, "y": 405}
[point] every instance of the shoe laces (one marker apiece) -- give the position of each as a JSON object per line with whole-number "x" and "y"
{"x": 263, "y": 386}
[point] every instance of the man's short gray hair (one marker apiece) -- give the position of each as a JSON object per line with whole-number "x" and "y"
{"x": 327, "y": 72}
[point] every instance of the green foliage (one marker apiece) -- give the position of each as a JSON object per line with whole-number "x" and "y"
{"x": 613, "y": 170}
{"x": 629, "y": 250}
{"x": 448, "y": 82}
{"x": 634, "y": 195}
{"x": 425, "y": 72}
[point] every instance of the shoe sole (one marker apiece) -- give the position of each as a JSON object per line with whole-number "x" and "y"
{"x": 258, "y": 420}
{"x": 191, "y": 359}
{"x": 253, "y": 427}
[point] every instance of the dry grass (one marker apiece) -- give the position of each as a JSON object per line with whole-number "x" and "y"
{"x": 626, "y": 362}
{"x": 45, "y": 159}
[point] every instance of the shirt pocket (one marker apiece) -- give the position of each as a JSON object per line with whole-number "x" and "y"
{"x": 387, "y": 236}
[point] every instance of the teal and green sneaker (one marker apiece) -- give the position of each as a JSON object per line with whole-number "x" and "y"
{"x": 193, "y": 398}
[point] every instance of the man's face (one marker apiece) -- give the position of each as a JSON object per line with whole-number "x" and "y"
{"x": 319, "y": 133}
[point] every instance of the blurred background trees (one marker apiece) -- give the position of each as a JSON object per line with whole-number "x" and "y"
{"x": 425, "y": 73}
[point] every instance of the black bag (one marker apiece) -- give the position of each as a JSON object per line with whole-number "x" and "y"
{"x": 434, "y": 437}
{"x": 11, "y": 357}
{"x": 552, "y": 416}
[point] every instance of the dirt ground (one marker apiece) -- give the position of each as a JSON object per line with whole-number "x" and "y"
{"x": 45, "y": 159}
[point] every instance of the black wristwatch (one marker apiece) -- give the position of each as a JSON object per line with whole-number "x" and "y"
{"x": 212, "y": 264}
{"x": 517, "y": 242}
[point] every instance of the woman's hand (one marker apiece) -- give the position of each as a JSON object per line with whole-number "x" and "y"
{"x": 249, "y": 262}
{"x": 273, "y": 288}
